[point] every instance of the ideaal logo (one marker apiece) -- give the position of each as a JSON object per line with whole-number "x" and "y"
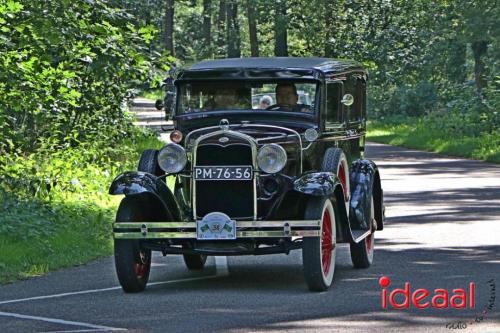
{"x": 459, "y": 298}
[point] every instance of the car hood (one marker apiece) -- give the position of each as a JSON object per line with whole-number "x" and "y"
{"x": 293, "y": 120}
{"x": 261, "y": 133}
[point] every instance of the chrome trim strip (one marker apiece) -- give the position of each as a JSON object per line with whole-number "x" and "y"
{"x": 239, "y": 224}
{"x": 341, "y": 138}
{"x": 146, "y": 230}
{"x": 186, "y": 140}
{"x": 154, "y": 235}
{"x": 239, "y": 234}
{"x": 222, "y": 145}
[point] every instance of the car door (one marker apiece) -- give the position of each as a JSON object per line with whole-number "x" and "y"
{"x": 354, "y": 116}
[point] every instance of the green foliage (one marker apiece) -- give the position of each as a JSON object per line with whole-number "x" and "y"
{"x": 65, "y": 69}
{"x": 469, "y": 129}
{"x": 56, "y": 210}
{"x": 414, "y": 50}
{"x": 411, "y": 101}
{"x": 413, "y": 133}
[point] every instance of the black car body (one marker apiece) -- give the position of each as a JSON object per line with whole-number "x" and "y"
{"x": 255, "y": 180}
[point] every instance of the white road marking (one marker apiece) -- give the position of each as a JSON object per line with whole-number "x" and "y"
{"x": 221, "y": 266}
{"x": 71, "y": 331}
{"x": 221, "y": 269}
{"x": 61, "y": 321}
{"x": 92, "y": 291}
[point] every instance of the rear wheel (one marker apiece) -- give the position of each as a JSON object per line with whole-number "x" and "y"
{"x": 318, "y": 253}
{"x": 195, "y": 262}
{"x": 335, "y": 162}
{"x": 362, "y": 252}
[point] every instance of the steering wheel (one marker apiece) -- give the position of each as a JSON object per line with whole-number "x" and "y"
{"x": 278, "y": 106}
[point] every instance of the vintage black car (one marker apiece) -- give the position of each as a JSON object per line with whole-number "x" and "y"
{"x": 252, "y": 178}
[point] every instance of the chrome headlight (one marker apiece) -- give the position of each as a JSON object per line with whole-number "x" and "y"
{"x": 172, "y": 158}
{"x": 271, "y": 158}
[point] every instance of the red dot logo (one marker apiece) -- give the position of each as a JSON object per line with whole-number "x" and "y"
{"x": 384, "y": 281}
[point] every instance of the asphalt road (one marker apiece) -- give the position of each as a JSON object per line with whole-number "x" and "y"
{"x": 442, "y": 231}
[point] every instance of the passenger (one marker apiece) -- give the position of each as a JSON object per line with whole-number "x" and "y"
{"x": 232, "y": 98}
{"x": 265, "y": 102}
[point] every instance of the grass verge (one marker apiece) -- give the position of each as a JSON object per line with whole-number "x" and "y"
{"x": 152, "y": 94}
{"x": 414, "y": 133}
{"x": 71, "y": 224}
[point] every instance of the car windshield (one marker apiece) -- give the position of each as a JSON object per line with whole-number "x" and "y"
{"x": 237, "y": 95}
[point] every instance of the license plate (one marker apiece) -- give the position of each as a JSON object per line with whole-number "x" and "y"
{"x": 223, "y": 173}
{"x": 215, "y": 226}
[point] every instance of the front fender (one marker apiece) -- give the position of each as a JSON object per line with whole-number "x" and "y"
{"x": 316, "y": 183}
{"x": 137, "y": 183}
{"x": 327, "y": 184}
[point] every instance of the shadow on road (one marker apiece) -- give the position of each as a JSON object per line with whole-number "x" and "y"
{"x": 267, "y": 289}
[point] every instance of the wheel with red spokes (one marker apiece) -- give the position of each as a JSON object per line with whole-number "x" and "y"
{"x": 132, "y": 262}
{"x": 362, "y": 252}
{"x": 318, "y": 253}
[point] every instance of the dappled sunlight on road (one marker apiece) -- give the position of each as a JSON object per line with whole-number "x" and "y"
{"x": 458, "y": 200}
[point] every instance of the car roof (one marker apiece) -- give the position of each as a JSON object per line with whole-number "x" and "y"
{"x": 307, "y": 63}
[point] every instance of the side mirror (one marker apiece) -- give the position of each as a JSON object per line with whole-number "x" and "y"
{"x": 169, "y": 104}
{"x": 347, "y": 100}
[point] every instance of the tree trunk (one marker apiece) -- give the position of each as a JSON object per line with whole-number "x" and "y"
{"x": 455, "y": 64}
{"x": 221, "y": 21}
{"x": 207, "y": 27}
{"x": 280, "y": 29}
{"x": 329, "y": 12}
{"x": 252, "y": 29}
{"x": 233, "y": 30}
{"x": 169, "y": 27}
{"x": 479, "y": 49}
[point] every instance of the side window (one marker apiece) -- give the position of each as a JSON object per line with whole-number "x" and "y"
{"x": 333, "y": 106}
{"x": 350, "y": 88}
{"x": 362, "y": 97}
{"x": 356, "y": 87}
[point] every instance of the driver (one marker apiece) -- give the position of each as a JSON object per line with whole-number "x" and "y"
{"x": 287, "y": 98}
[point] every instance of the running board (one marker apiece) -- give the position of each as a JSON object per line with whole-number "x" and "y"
{"x": 359, "y": 235}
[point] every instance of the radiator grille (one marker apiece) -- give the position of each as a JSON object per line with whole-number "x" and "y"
{"x": 234, "y": 198}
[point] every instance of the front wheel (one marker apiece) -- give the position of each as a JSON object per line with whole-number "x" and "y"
{"x": 132, "y": 265}
{"x": 318, "y": 253}
{"x": 362, "y": 252}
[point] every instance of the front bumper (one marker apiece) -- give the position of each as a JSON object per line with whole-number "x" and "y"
{"x": 244, "y": 229}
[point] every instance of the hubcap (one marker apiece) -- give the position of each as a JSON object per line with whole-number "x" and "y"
{"x": 140, "y": 268}
{"x": 369, "y": 242}
{"x": 326, "y": 242}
